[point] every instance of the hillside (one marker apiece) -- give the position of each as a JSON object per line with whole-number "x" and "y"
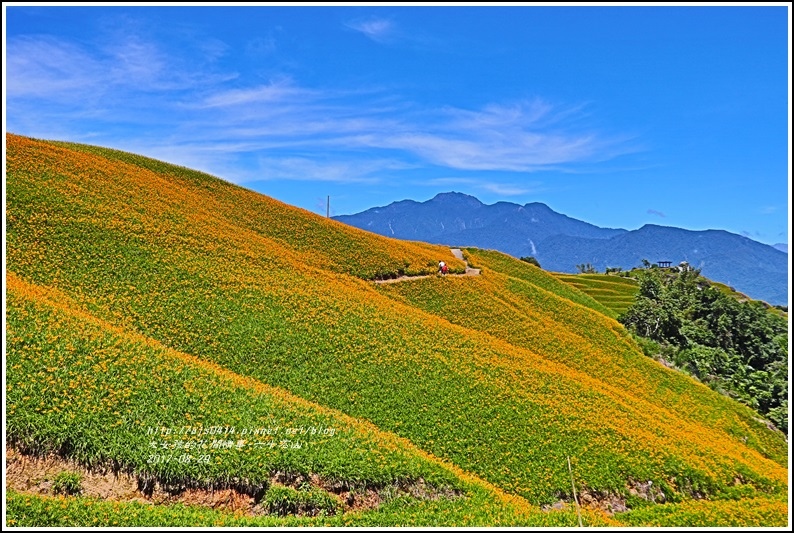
{"x": 561, "y": 242}
{"x": 144, "y": 296}
{"x": 614, "y": 292}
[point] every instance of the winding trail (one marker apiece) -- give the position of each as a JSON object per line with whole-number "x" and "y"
{"x": 457, "y": 252}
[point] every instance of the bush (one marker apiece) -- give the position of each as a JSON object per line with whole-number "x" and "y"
{"x": 531, "y": 260}
{"x": 288, "y": 501}
{"x": 67, "y": 483}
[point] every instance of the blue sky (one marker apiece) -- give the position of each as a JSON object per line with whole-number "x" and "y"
{"x": 619, "y": 116}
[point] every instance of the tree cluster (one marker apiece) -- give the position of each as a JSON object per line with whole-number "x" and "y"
{"x": 531, "y": 260}
{"x": 737, "y": 348}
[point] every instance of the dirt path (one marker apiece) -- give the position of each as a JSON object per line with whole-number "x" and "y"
{"x": 457, "y": 252}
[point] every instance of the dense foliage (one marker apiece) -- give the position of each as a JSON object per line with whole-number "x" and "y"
{"x": 737, "y": 347}
{"x": 531, "y": 260}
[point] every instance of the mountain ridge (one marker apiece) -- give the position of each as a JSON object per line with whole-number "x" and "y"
{"x": 560, "y": 242}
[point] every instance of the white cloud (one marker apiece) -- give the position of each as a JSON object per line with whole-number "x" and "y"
{"x": 496, "y": 150}
{"x": 487, "y": 184}
{"x": 378, "y": 29}
{"x": 504, "y": 189}
{"x": 273, "y": 92}
{"x": 342, "y": 170}
{"x": 134, "y": 59}
{"x": 283, "y": 129}
{"x": 52, "y": 69}
{"x": 519, "y": 114}
{"x": 59, "y": 71}
{"x": 213, "y": 49}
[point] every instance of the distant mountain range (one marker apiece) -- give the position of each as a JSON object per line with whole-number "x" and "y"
{"x": 560, "y": 242}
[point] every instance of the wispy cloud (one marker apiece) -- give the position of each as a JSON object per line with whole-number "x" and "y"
{"x": 507, "y": 188}
{"x": 210, "y": 120}
{"x": 524, "y": 136}
{"x": 378, "y": 29}
{"x": 387, "y": 31}
{"x": 53, "y": 70}
{"x": 49, "y": 68}
{"x": 769, "y": 210}
{"x": 338, "y": 171}
{"x": 657, "y": 213}
{"x": 277, "y": 91}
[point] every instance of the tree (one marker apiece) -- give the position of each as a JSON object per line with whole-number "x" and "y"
{"x": 531, "y": 260}
{"x": 586, "y": 269}
{"x": 737, "y": 348}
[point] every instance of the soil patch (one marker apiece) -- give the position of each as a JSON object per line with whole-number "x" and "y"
{"x": 37, "y": 475}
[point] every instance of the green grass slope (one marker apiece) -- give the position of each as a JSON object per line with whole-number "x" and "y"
{"x": 614, "y": 292}
{"x": 500, "y": 377}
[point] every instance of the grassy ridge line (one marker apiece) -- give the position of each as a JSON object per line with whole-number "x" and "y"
{"x": 253, "y": 212}
{"x": 526, "y": 315}
{"x": 387, "y": 444}
{"x": 332, "y": 340}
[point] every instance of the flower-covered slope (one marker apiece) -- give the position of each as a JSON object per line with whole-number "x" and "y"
{"x": 505, "y": 375}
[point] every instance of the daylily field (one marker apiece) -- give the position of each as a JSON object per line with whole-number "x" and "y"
{"x": 174, "y": 327}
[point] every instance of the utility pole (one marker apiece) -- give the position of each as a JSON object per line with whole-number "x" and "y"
{"x": 328, "y": 207}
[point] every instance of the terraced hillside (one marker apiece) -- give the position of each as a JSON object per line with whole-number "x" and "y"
{"x": 614, "y": 292}
{"x": 152, "y": 308}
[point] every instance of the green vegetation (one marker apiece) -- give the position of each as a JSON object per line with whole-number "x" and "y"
{"x": 478, "y": 509}
{"x": 531, "y": 260}
{"x": 67, "y": 483}
{"x": 739, "y": 348}
{"x": 751, "y": 512}
{"x": 614, "y": 292}
{"x": 285, "y": 501}
{"x": 78, "y": 387}
{"x": 150, "y": 307}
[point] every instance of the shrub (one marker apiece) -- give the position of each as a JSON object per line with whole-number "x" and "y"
{"x": 67, "y": 483}
{"x": 288, "y": 501}
{"x": 531, "y": 260}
